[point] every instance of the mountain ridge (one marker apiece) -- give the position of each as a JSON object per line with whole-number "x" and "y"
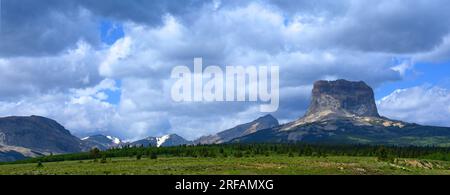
{"x": 263, "y": 122}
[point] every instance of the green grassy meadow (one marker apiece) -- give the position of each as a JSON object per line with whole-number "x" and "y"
{"x": 258, "y": 165}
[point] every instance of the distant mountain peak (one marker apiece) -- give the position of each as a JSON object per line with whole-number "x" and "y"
{"x": 264, "y": 122}
{"x": 267, "y": 117}
{"x": 162, "y": 141}
{"x": 102, "y": 142}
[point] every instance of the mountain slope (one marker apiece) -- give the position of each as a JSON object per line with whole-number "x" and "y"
{"x": 344, "y": 112}
{"x": 264, "y": 122}
{"x": 38, "y": 134}
{"x": 22, "y": 137}
{"x": 13, "y": 153}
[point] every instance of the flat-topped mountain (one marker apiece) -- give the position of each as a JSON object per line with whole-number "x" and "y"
{"x": 345, "y": 112}
{"x": 267, "y": 121}
{"x": 342, "y": 100}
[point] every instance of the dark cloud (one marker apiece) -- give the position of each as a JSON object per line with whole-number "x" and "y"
{"x": 394, "y": 26}
{"x": 47, "y": 27}
{"x": 317, "y": 7}
{"x": 36, "y": 28}
{"x": 148, "y": 12}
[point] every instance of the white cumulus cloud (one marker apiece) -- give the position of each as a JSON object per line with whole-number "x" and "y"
{"x": 422, "y": 104}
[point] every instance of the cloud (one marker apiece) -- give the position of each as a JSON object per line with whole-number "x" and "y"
{"x": 39, "y": 28}
{"x": 74, "y": 68}
{"x": 144, "y": 58}
{"x": 438, "y": 54}
{"x": 393, "y": 26}
{"x": 398, "y": 27}
{"x": 422, "y": 104}
{"x": 47, "y": 27}
{"x": 143, "y": 12}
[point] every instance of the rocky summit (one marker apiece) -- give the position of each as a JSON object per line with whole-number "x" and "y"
{"x": 342, "y": 97}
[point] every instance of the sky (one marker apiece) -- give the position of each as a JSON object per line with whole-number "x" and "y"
{"x": 104, "y": 66}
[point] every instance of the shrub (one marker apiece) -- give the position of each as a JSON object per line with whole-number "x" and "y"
{"x": 103, "y": 160}
{"x": 291, "y": 154}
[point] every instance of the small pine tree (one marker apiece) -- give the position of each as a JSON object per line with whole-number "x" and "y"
{"x": 138, "y": 156}
{"x": 39, "y": 164}
{"x": 383, "y": 155}
{"x": 153, "y": 156}
{"x": 94, "y": 153}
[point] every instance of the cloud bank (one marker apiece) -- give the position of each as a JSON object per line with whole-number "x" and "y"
{"x": 54, "y": 61}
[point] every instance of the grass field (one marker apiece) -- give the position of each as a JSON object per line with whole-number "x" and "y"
{"x": 284, "y": 165}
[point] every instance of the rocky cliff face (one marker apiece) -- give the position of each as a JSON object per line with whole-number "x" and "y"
{"x": 342, "y": 97}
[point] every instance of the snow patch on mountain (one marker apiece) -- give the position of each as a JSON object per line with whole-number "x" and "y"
{"x": 161, "y": 140}
{"x": 115, "y": 140}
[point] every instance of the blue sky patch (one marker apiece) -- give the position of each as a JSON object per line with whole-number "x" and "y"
{"x": 114, "y": 96}
{"x": 111, "y": 31}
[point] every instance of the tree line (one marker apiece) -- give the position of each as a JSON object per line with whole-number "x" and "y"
{"x": 252, "y": 150}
